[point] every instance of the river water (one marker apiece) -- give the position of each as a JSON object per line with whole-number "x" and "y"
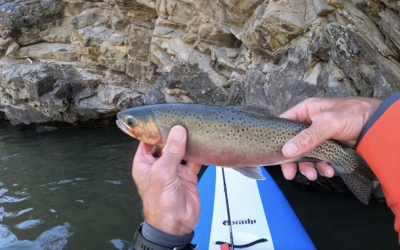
{"x": 72, "y": 189}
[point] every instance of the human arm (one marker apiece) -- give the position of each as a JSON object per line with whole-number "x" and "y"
{"x": 171, "y": 204}
{"x": 341, "y": 119}
{"x": 346, "y": 119}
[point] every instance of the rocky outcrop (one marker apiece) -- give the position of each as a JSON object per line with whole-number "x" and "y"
{"x": 81, "y": 61}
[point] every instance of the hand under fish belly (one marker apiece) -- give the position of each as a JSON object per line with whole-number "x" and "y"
{"x": 242, "y": 137}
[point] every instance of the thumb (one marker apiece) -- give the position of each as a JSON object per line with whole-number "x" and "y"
{"x": 306, "y": 140}
{"x": 173, "y": 151}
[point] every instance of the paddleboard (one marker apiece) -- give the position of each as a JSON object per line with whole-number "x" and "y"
{"x": 261, "y": 217}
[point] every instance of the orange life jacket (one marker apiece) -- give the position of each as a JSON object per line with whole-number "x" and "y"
{"x": 379, "y": 145}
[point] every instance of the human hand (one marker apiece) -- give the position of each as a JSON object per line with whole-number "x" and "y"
{"x": 168, "y": 189}
{"x": 341, "y": 119}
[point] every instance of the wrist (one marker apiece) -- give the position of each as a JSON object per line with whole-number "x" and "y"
{"x": 147, "y": 237}
{"x": 168, "y": 225}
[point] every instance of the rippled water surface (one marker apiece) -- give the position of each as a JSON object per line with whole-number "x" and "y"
{"x": 72, "y": 189}
{"x": 68, "y": 189}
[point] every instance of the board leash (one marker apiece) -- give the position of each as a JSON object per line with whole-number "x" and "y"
{"x": 227, "y": 210}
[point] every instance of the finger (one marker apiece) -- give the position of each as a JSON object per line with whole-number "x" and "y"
{"x": 304, "y": 111}
{"x": 308, "y": 170}
{"x": 349, "y": 143}
{"x": 187, "y": 174}
{"x": 141, "y": 167}
{"x": 298, "y": 113}
{"x": 325, "y": 169}
{"x": 289, "y": 170}
{"x": 173, "y": 151}
{"x": 143, "y": 157}
{"x": 194, "y": 167}
{"x": 143, "y": 149}
{"x": 309, "y": 138}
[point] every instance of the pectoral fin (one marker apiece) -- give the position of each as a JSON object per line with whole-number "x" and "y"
{"x": 251, "y": 172}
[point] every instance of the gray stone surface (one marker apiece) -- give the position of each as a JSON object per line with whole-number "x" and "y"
{"x": 80, "y": 62}
{"x": 323, "y": 8}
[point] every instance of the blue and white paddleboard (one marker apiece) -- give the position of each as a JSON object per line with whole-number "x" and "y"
{"x": 258, "y": 210}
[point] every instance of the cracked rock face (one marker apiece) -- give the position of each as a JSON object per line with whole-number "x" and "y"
{"x": 80, "y": 62}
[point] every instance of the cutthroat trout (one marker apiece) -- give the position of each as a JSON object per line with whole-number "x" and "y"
{"x": 241, "y": 137}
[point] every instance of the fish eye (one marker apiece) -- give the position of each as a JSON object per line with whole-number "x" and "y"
{"x": 130, "y": 121}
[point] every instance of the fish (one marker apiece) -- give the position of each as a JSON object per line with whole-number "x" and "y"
{"x": 243, "y": 138}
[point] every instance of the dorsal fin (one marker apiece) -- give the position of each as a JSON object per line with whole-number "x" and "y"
{"x": 261, "y": 110}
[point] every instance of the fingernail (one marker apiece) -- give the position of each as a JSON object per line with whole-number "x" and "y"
{"x": 291, "y": 149}
{"x": 303, "y": 173}
{"x": 178, "y": 135}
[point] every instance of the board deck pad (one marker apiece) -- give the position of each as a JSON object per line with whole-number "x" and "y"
{"x": 258, "y": 210}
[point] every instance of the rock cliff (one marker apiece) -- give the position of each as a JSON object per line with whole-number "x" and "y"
{"x": 76, "y": 61}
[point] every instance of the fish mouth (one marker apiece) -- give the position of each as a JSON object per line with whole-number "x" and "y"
{"x": 124, "y": 128}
